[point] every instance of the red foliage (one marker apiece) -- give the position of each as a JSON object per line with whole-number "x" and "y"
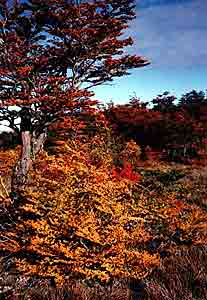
{"x": 174, "y": 130}
{"x": 126, "y": 172}
{"x": 81, "y": 41}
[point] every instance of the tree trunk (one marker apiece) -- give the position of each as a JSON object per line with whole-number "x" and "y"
{"x": 38, "y": 143}
{"x": 20, "y": 172}
{"x": 30, "y": 147}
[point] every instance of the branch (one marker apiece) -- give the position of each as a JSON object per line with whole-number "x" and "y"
{"x": 4, "y": 188}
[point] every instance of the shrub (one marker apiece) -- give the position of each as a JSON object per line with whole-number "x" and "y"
{"x": 75, "y": 220}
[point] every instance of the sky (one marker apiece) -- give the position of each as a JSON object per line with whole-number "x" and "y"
{"x": 172, "y": 35}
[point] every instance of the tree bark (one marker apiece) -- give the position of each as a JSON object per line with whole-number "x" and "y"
{"x": 30, "y": 147}
{"x": 20, "y": 172}
{"x": 38, "y": 143}
{"x": 26, "y": 154}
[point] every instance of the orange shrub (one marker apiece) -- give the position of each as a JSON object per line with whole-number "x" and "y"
{"x": 77, "y": 220}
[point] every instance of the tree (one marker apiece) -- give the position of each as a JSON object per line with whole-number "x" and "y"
{"x": 179, "y": 130}
{"x": 195, "y": 104}
{"x": 164, "y": 103}
{"x": 193, "y": 97}
{"x": 135, "y": 121}
{"x": 52, "y": 54}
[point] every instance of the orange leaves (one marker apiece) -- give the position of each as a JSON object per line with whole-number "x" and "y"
{"x": 8, "y": 158}
{"x": 80, "y": 221}
{"x": 24, "y": 71}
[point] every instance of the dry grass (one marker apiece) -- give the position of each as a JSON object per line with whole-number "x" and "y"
{"x": 182, "y": 277}
{"x": 196, "y": 182}
{"x": 20, "y": 290}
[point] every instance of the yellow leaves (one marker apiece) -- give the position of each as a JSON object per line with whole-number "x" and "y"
{"x": 88, "y": 213}
{"x": 8, "y": 159}
{"x": 139, "y": 235}
{"x": 8, "y": 244}
{"x": 104, "y": 277}
{"x": 150, "y": 260}
{"x": 131, "y": 152}
{"x": 88, "y": 233}
{"x": 54, "y": 221}
{"x": 22, "y": 265}
{"x": 89, "y": 228}
{"x": 30, "y": 209}
{"x": 59, "y": 280}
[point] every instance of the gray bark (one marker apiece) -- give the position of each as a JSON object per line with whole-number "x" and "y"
{"x": 20, "y": 172}
{"x": 31, "y": 146}
{"x": 38, "y": 143}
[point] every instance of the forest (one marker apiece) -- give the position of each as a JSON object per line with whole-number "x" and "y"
{"x": 97, "y": 201}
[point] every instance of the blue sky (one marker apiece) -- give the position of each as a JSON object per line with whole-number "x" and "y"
{"x": 172, "y": 35}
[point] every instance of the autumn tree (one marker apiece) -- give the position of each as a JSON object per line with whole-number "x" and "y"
{"x": 164, "y": 103}
{"x": 183, "y": 125}
{"x": 135, "y": 121}
{"x": 193, "y": 98}
{"x": 52, "y": 54}
{"x": 176, "y": 129}
{"x": 195, "y": 105}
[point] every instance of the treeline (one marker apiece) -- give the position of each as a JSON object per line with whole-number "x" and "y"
{"x": 175, "y": 128}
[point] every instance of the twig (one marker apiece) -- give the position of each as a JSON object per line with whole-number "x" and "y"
{"x": 4, "y": 188}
